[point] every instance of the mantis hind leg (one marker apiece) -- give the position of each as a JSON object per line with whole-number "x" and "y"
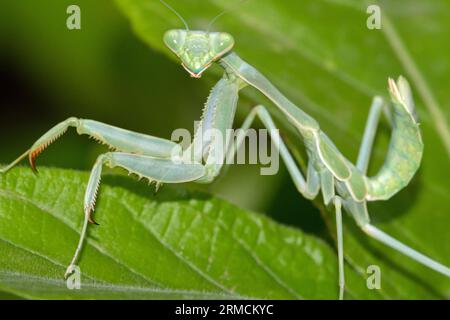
{"x": 360, "y": 213}
{"x": 154, "y": 169}
{"x": 404, "y": 249}
{"x": 365, "y": 149}
{"x": 116, "y": 138}
{"x": 340, "y": 245}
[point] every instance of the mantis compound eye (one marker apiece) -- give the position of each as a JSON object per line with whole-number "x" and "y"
{"x": 220, "y": 44}
{"x": 175, "y": 40}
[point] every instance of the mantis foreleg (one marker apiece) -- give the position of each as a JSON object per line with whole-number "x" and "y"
{"x": 147, "y": 156}
{"x": 116, "y": 138}
{"x": 151, "y": 168}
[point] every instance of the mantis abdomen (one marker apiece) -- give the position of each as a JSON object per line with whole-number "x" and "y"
{"x": 405, "y": 150}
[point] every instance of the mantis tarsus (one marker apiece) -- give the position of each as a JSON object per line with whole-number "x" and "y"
{"x": 343, "y": 184}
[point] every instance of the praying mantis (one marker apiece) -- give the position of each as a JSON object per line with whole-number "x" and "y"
{"x": 344, "y": 185}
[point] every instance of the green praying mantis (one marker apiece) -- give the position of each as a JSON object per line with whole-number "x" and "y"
{"x": 344, "y": 185}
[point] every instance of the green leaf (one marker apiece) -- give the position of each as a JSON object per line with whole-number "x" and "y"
{"x": 172, "y": 245}
{"x": 324, "y": 58}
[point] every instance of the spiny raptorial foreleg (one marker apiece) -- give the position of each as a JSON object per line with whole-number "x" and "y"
{"x": 153, "y": 169}
{"x": 116, "y": 138}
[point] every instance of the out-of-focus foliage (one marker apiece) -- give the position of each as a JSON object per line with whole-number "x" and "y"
{"x": 319, "y": 53}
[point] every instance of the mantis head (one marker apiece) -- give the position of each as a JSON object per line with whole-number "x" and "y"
{"x": 198, "y": 49}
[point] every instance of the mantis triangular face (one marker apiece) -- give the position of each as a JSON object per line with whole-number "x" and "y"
{"x": 198, "y": 49}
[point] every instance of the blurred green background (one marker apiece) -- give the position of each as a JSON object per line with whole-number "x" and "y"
{"x": 327, "y": 63}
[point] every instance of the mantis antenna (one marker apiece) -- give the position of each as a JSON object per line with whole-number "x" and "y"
{"x": 222, "y": 13}
{"x": 176, "y": 13}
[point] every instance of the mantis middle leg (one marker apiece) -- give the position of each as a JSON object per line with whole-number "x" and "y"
{"x": 308, "y": 187}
